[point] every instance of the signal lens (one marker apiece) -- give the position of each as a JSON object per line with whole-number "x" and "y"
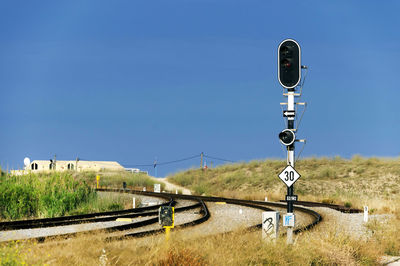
{"x": 286, "y": 63}
{"x": 287, "y": 137}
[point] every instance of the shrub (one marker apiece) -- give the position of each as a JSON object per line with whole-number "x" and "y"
{"x": 348, "y": 204}
{"x": 47, "y": 195}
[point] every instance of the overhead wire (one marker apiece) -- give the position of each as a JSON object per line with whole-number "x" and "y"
{"x": 301, "y": 93}
{"x": 163, "y": 163}
{"x": 220, "y": 159}
{"x": 298, "y": 121}
{"x": 180, "y": 160}
{"x": 298, "y": 156}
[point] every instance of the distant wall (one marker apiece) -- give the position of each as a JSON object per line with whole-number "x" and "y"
{"x": 47, "y": 165}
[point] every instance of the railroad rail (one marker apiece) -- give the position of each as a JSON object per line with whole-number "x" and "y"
{"x": 150, "y": 211}
{"x": 328, "y": 205}
{"x": 83, "y": 218}
{"x": 265, "y": 206}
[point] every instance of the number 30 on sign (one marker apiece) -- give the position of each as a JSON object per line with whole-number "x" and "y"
{"x": 289, "y": 176}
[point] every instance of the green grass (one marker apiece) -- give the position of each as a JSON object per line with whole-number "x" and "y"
{"x": 54, "y": 194}
{"x": 114, "y": 179}
{"x": 105, "y": 202}
{"x": 41, "y": 196}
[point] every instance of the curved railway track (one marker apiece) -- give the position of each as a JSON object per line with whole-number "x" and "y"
{"x": 265, "y": 206}
{"x": 327, "y": 205}
{"x": 152, "y": 212}
{"x": 84, "y": 218}
{"x": 115, "y": 228}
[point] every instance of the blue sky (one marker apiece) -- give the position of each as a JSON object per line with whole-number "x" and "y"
{"x": 132, "y": 81}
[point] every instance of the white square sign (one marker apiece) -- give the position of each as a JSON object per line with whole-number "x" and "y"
{"x": 288, "y": 219}
{"x": 157, "y": 188}
{"x": 289, "y": 176}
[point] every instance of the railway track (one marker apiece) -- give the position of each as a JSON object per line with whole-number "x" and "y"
{"x": 125, "y": 230}
{"x": 84, "y": 218}
{"x": 327, "y": 205}
{"x": 125, "y": 226}
{"x": 265, "y": 206}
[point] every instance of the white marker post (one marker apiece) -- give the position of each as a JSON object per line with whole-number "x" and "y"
{"x": 133, "y": 203}
{"x": 266, "y": 198}
{"x": 157, "y": 188}
{"x": 365, "y": 214}
{"x": 270, "y": 225}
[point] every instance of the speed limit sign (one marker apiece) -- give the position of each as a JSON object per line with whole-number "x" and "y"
{"x": 289, "y": 175}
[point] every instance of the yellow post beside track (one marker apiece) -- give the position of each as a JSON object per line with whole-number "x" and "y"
{"x": 98, "y": 181}
{"x": 168, "y": 228}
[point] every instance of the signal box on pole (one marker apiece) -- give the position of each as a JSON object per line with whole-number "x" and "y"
{"x": 166, "y": 216}
{"x": 289, "y": 64}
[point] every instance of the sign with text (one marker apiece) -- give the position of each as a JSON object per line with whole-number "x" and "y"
{"x": 289, "y": 175}
{"x": 291, "y": 198}
{"x": 288, "y": 219}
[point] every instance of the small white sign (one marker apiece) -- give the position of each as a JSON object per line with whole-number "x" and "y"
{"x": 289, "y": 219}
{"x": 157, "y": 188}
{"x": 365, "y": 214}
{"x": 270, "y": 225}
{"x": 289, "y": 175}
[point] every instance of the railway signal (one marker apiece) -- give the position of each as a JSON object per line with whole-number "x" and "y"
{"x": 287, "y": 137}
{"x": 166, "y": 218}
{"x": 289, "y": 67}
{"x": 289, "y": 75}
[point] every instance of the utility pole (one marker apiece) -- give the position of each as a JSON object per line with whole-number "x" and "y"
{"x": 76, "y": 164}
{"x": 155, "y": 167}
{"x": 201, "y": 160}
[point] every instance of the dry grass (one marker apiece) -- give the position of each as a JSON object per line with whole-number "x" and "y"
{"x": 356, "y": 182}
{"x": 321, "y": 246}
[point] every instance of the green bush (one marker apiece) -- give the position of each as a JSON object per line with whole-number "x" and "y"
{"x": 348, "y": 204}
{"x": 45, "y": 195}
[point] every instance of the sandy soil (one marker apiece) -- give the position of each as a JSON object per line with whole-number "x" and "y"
{"x": 172, "y": 187}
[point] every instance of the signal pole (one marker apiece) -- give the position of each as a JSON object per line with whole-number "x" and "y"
{"x": 290, "y": 161}
{"x": 289, "y": 75}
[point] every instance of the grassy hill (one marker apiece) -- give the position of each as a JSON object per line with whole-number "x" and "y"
{"x": 354, "y": 182}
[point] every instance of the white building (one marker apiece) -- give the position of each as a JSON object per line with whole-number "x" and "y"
{"x": 48, "y": 165}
